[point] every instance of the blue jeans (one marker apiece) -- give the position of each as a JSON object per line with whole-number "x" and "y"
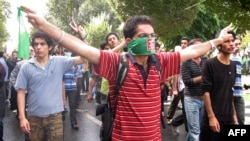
{"x": 194, "y": 107}
{"x": 1, "y": 129}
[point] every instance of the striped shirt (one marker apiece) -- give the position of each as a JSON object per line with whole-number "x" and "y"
{"x": 139, "y": 105}
{"x": 69, "y": 79}
{"x": 237, "y": 86}
{"x": 190, "y": 70}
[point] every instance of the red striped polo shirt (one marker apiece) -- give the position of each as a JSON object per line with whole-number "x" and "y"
{"x": 139, "y": 106}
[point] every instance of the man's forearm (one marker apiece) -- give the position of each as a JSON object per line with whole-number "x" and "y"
{"x": 92, "y": 81}
{"x": 208, "y": 106}
{"x": 21, "y": 103}
{"x": 71, "y": 42}
{"x": 234, "y": 114}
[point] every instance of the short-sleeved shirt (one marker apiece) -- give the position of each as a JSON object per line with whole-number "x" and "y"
{"x": 69, "y": 79}
{"x": 139, "y": 104}
{"x": 44, "y": 85}
{"x": 238, "y": 85}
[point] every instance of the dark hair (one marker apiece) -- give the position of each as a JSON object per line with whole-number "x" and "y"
{"x": 14, "y": 51}
{"x": 157, "y": 44}
{"x": 229, "y": 32}
{"x": 193, "y": 41}
{"x": 103, "y": 45}
{"x": 185, "y": 38}
{"x": 111, "y": 33}
{"x": 131, "y": 24}
{"x": 1, "y": 53}
{"x": 42, "y": 35}
{"x": 125, "y": 48}
{"x": 239, "y": 38}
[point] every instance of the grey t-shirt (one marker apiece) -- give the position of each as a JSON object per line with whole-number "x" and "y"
{"x": 44, "y": 85}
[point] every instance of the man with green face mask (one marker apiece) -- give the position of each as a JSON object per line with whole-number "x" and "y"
{"x": 138, "y": 106}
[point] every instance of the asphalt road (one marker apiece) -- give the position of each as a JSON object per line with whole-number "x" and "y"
{"x": 89, "y": 125}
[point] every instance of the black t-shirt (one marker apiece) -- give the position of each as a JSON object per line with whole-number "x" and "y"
{"x": 219, "y": 79}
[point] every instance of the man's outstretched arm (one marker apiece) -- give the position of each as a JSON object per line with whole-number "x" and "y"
{"x": 70, "y": 42}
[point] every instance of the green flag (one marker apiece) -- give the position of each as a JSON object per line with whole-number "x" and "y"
{"x": 23, "y": 37}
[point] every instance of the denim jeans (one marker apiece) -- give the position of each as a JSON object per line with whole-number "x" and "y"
{"x": 1, "y": 128}
{"x": 194, "y": 107}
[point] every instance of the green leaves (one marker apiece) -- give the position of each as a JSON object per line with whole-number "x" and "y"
{"x": 169, "y": 16}
{"x": 232, "y": 11}
{"x": 4, "y": 14}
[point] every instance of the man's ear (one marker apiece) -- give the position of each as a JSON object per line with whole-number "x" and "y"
{"x": 219, "y": 48}
{"x": 50, "y": 48}
{"x": 128, "y": 40}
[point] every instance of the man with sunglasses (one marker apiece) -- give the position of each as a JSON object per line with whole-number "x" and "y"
{"x": 138, "y": 106}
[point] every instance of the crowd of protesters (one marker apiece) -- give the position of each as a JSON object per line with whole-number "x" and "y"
{"x": 52, "y": 74}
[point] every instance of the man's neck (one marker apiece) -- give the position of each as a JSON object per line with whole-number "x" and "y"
{"x": 42, "y": 61}
{"x": 142, "y": 60}
{"x": 224, "y": 58}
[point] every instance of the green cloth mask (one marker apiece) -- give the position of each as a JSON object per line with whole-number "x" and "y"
{"x": 142, "y": 46}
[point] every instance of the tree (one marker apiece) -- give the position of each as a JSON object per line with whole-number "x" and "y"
{"x": 93, "y": 8}
{"x": 169, "y": 16}
{"x": 234, "y": 11}
{"x": 98, "y": 28}
{"x": 94, "y": 15}
{"x": 61, "y": 12}
{"x": 4, "y": 14}
{"x": 205, "y": 26}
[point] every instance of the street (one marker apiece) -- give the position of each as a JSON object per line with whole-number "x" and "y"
{"x": 89, "y": 125}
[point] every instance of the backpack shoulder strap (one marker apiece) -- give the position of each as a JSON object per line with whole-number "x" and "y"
{"x": 121, "y": 74}
{"x": 122, "y": 70}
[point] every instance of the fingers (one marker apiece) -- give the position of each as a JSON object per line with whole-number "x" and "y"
{"x": 26, "y": 128}
{"x": 228, "y": 28}
{"x": 70, "y": 24}
{"x": 28, "y": 10}
{"x": 74, "y": 23}
{"x": 224, "y": 32}
{"x": 90, "y": 100}
{"x": 80, "y": 28}
{"x": 89, "y": 97}
{"x": 217, "y": 128}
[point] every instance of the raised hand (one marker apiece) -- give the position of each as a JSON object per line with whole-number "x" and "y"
{"x": 74, "y": 26}
{"x": 78, "y": 29}
{"x": 33, "y": 17}
{"x": 224, "y": 32}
